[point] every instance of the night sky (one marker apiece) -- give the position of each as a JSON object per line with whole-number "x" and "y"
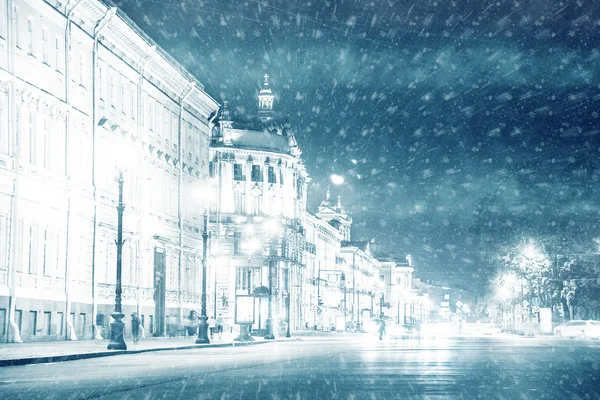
{"x": 460, "y": 126}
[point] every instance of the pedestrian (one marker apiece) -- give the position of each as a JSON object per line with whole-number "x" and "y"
{"x": 171, "y": 325}
{"x": 381, "y": 329}
{"x": 220, "y": 326}
{"x": 212, "y": 325}
{"x": 135, "y": 327}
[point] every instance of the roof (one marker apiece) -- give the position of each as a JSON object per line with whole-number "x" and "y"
{"x": 363, "y": 245}
{"x": 260, "y": 140}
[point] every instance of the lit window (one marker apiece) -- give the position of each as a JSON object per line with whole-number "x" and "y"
{"x": 124, "y": 103}
{"x": 238, "y": 172}
{"x": 272, "y": 175}
{"x": 81, "y": 69}
{"x": 101, "y": 81}
{"x": 29, "y": 36}
{"x": 257, "y": 204}
{"x": 239, "y": 201}
{"x": 31, "y": 138}
{"x": 45, "y": 45}
{"x": 57, "y": 53}
{"x": 256, "y": 173}
{"x": 111, "y": 89}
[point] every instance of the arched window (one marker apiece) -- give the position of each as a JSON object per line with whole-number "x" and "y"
{"x": 257, "y": 198}
{"x": 270, "y": 203}
{"x": 239, "y": 200}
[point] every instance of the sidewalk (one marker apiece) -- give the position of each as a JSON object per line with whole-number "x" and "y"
{"x": 56, "y": 351}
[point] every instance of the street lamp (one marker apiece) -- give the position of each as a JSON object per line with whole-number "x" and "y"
{"x": 273, "y": 229}
{"x": 203, "y": 326}
{"x": 117, "y": 327}
{"x": 206, "y": 197}
{"x": 337, "y": 179}
{"x": 252, "y": 245}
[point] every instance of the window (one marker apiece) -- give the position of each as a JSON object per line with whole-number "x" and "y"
{"x": 3, "y": 20}
{"x": 45, "y": 45}
{"x": 30, "y": 36}
{"x": 20, "y": 237}
{"x": 382, "y": 278}
{"x": 19, "y": 319}
{"x": 60, "y": 323}
{"x": 57, "y": 53}
{"x": 47, "y": 323}
{"x": 101, "y": 81}
{"x": 238, "y": 172}
{"x": 257, "y": 204}
{"x": 239, "y": 201}
{"x": 31, "y": 136}
{"x": 82, "y": 324}
{"x": 3, "y": 242}
{"x": 17, "y": 30}
{"x": 111, "y": 89}
{"x": 32, "y": 322}
{"x": 272, "y": 178}
{"x": 2, "y": 321}
{"x": 133, "y": 99}
{"x": 237, "y": 243}
{"x": 31, "y": 267}
{"x": 81, "y": 69}
{"x": 256, "y": 173}
{"x": 124, "y": 101}
{"x": 44, "y": 256}
{"x": 281, "y": 176}
{"x": 241, "y": 278}
{"x": 45, "y": 150}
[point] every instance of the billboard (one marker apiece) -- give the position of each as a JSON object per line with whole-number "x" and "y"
{"x": 244, "y": 309}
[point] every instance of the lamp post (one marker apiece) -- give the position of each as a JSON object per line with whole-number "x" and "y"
{"x": 244, "y": 335}
{"x": 288, "y": 333}
{"x": 117, "y": 327}
{"x": 203, "y": 326}
{"x": 273, "y": 229}
{"x": 269, "y": 322}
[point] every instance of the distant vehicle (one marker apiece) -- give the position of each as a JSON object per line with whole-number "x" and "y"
{"x": 481, "y": 328}
{"x": 579, "y": 328}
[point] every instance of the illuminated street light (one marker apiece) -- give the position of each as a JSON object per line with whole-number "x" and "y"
{"x": 206, "y": 195}
{"x": 117, "y": 327}
{"x": 337, "y": 179}
{"x": 273, "y": 228}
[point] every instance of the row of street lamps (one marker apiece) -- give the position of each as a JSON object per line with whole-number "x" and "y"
{"x": 117, "y": 327}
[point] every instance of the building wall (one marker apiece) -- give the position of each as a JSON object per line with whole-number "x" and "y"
{"x": 241, "y": 209}
{"x": 67, "y": 113}
{"x": 363, "y": 283}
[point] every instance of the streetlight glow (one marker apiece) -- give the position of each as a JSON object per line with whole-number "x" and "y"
{"x": 337, "y": 179}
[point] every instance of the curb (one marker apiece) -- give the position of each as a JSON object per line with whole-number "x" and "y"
{"x": 83, "y": 356}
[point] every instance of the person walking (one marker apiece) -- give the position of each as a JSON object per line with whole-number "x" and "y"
{"x": 212, "y": 325}
{"x": 135, "y": 327}
{"x": 381, "y": 329}
{"x": 220, "y": 326}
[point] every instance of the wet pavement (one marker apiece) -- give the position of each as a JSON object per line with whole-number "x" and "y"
{"x": 328, "y": 367}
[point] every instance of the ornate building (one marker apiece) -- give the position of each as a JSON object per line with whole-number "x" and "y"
{"x": 82, "y": 88}
{"x": 397, "y": 277}
{"x": 256, "y": 213}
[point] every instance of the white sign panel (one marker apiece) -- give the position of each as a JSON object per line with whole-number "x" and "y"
{"x": 244, "y": 309}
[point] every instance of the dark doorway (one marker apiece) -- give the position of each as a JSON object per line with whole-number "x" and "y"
{"x": 159, "y": 291}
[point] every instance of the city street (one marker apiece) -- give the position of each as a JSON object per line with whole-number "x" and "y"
{"x": 336, "y": 366}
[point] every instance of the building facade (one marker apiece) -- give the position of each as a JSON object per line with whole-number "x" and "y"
{"x": 396, "y": 277}
{"x": 256, "y": 214}
{"x": 83, "y": 90}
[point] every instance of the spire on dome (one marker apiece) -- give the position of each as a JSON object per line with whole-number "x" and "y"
{"x": 339, "y": 203}
{"x": 265, "y": 101}
{"x": 328, "y": 195}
